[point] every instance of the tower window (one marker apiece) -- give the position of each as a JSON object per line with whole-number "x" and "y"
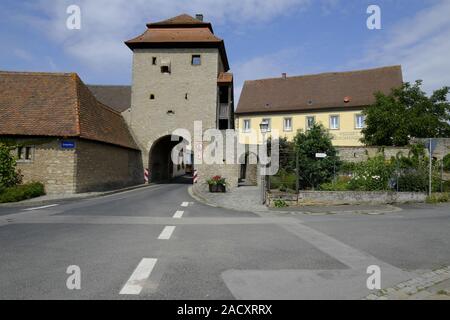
{"x": 196, "y": 60}
{"x": 152, "y": 96}
{"x": 165, "y": 69}
{"x": 154, "y": 61}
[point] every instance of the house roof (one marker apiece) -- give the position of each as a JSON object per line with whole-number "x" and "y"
{"x": 182, "y": 31}
{"x": 318, "y": 92}
{"x": 60, "y": 105}
{"x": 116, "y": 97}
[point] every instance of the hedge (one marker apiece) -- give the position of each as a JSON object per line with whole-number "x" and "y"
{"x": 22, "y": 192}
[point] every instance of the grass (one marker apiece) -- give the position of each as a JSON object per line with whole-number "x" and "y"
{"x": 22, "y": 192}
{"x": 438, "y": 198}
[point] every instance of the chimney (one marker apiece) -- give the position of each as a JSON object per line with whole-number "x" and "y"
{"x": 199, "y": 17}
{"x": 284, "y": 75}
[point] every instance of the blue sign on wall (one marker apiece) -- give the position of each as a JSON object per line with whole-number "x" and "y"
{"x": 68, "y": 144}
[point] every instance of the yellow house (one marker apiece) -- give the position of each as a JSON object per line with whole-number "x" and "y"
{"x": 290, "y": 104}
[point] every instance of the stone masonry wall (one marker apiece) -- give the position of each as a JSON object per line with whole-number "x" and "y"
{"x": 104, "y": 167}
{"x": 51, "y": 165}
{"x": 189, "y": 92}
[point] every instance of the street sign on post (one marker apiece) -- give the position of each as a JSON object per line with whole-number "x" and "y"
{"x": 321, "y": 155}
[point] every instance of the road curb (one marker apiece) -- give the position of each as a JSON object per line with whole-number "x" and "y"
{"x": 36, "y": 201}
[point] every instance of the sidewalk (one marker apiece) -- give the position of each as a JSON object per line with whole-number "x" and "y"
{"x": 433, "y": 285}
{"x": 246, "y": 198}
{"x": 76, "y": 196}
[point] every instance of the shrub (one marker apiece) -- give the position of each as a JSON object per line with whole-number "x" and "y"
{"x": 283, "y": 181}
{"x": 447, "y": 163}
{"x": 372, "y": 175}
{"x": 280, "y": 204}
{"x": 8, "y": 175}
{"x": 342, "y": 184}
{"x": 22, "y": 192}
{"x": 438, "y": 198}
{"x": 313, "y": 171}
{"x": 413, "y": 181}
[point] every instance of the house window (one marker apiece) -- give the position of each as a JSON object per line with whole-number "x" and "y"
{"x": 247, "y": 124}
{"x": 269, "y": 124}
{"x": 25, "y": 153}
{"x": 154, "y": 61}
{"x": 310, "y": 121}
{"x": 196, "y": 60}
{"x": 360, "y": 121}
{"x": 287, "y": 124}
{"x": 334, "y": 122}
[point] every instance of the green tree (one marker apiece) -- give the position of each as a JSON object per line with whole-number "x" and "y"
{"x": 8, "y": 175}
{"x": 314, "y": 171}
{"x": 405, "y": 113}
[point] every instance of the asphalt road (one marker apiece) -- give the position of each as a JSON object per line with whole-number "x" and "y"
{"x": 159, "y": 243}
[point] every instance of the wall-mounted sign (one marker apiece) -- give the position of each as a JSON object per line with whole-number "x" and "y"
{"x": 68, "y": 144}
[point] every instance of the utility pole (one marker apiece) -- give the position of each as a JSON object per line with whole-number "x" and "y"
{"x": 430, "y": 169}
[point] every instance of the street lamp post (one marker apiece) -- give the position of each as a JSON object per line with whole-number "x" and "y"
{"x": 263, "y": 126}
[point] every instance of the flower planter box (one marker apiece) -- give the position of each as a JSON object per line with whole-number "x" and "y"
{"x": 217, "y": 188}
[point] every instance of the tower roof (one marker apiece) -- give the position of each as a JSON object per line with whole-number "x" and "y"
{"x": 182, "y": 31}
{"x": 181, "y": 21}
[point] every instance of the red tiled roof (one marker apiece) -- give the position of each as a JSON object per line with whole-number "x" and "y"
{"x": 60, "y": 105}
{"x": 318, "y": 92}
{"x": 182, "y": 31}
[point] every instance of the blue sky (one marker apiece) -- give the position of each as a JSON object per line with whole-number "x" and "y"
{"x": 263, "y": 38}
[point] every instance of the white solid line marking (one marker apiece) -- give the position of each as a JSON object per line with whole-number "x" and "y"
{"x": 185, "y": 204}
{"x": 178, "y": 214}
{"x": 135, "y": 284}
{"x": 43, "y": 207}
{"x": 166, "y": 233}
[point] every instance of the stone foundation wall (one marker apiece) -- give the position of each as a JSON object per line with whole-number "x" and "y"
{"x": 349, "y": 197}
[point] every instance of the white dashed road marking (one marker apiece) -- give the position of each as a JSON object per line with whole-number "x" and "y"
{"x": 43, "y": 207}
{"x": 166, "y": 233}
{"x": 178, "y": 214}
{"x": 185, "y": 204}
{"x": 136, "y": 282}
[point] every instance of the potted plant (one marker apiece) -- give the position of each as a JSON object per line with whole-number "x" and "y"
{"x": 217, "y": 184}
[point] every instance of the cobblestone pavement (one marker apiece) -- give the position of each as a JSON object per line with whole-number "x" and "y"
{"x": 432, "y": 285}
{"x": 246, "y": 198}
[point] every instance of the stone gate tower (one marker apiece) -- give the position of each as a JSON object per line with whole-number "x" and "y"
{"x": 180, "y": 75}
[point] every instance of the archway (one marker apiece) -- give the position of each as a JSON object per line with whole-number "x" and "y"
{"x": 161, "y": 166}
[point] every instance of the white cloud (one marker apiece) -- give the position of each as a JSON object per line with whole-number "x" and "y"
{"x": 421, "y": 44}
{"x": 105, "y": 24}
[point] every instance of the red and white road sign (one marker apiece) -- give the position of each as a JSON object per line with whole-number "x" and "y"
{"x": 146, "y": 173}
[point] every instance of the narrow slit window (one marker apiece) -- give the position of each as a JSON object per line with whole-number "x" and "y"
{"x": 154, "y": 60}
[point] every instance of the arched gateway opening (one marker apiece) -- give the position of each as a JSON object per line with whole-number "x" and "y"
{"x": 161, "y": 166}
